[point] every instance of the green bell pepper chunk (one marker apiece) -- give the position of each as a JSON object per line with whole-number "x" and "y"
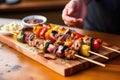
{"x": 46, "y": 44}
{"x": 20, "y": 37}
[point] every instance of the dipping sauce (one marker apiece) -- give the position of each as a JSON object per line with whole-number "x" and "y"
{"x": 34, "y": 21}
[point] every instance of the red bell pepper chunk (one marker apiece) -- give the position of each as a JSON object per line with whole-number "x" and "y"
{"x": 42, "y": 32}
{"x": 51, "y": 37}
{"x": 77, "y": 36}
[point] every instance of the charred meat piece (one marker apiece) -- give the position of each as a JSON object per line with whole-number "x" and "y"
{"x": 87, "y": 40}
{"x": 70, "y": 54}
{"x": 39, "y": 43}
{"x": 77, "y": 45}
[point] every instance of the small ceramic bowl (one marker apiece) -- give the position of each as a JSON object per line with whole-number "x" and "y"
{"x": 33, "y": 20}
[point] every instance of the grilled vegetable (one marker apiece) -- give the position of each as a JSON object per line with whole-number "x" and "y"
{"x": 52, "y": 36}
{"x": 59, "y": 52}
{"x": 36, "y": 29}
{"x": 51, "y": 48}
{"x": 15, "y": 35}
{"x": 42, "y": 32}
{"x": 68, "y": 43}
{"x": 46, "y": 44}
{"x": 27, "y": 34}
{"x": 85, "y": 50}
{"x": 20, "y": 37}
{"x": 77, "y": 36}
{"x": 97, "y": 44}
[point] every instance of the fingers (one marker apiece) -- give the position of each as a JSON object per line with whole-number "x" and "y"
{"x": 74, "y": 13}
{"x": 78, "y": 22}
{"x": 69, "y": 20}
{"x": 67, "y": 17}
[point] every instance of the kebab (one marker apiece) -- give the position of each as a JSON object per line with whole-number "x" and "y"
{"x": 70, "y": 37}
{"x": 31, "y": 39}
{"x": 69, "y": 54}
{"x": 66, "y": 38}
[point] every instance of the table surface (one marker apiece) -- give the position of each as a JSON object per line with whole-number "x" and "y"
{"x": 16, "y": 66}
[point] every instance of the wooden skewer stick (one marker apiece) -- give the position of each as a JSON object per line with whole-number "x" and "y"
{"x": 111, "y": 49}
{"x": 90, "y": 60}
{"x": 98, "y": 54}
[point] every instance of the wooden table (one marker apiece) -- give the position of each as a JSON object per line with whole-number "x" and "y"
{"x": 15, "y": 66}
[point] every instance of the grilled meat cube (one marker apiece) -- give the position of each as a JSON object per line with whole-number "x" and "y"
{"x": 70, "y": 54}
{"x": 39, "y": 43}
{"x": 30, "y": 39}
{"x": 87, "y": 40}
{"x": 77, "y": 45}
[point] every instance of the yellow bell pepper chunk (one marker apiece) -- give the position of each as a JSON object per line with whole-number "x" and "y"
{"x": 36, "y": 29}
{"x": 51, "y": 26}
{"x": 61, "y": 30}
{"x": 15, "y": 35}
{"x": 47, "y": 34}
{"x": 85, "y": 50}
{"x": 55, "y": 28}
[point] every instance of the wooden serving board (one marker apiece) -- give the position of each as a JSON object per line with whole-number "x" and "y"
{"x": 61, "y": 66}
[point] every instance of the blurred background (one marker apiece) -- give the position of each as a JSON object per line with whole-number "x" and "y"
{"x": 17, "y": 9}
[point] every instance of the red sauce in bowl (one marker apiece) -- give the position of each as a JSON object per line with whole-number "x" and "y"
{"x": 34, "y": 21}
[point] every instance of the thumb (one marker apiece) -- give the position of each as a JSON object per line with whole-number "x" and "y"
{"x": 70, "y": 11}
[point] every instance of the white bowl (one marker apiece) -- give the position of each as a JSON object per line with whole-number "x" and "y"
{"x": 25, "y": 21}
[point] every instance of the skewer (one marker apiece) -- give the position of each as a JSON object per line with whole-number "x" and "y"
{"x": 111, "y": 49}
{"x": 90, "y": 60}
{"x": 98, "y": 54}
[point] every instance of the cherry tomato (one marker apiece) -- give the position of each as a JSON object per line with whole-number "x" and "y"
{"x": 78, "y": 35}
{"x": 97, "y": 44}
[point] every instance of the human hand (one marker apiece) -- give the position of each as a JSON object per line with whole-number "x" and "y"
{"x": 74, "y": 13}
